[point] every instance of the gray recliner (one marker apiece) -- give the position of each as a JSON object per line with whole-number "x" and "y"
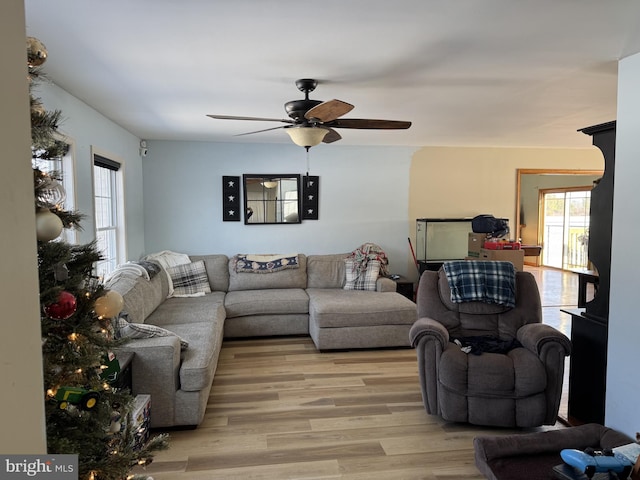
{"x": 519, "y": 388}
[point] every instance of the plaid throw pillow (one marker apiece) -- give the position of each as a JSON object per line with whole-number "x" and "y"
{"x": 361, "y": 280}
{"x": 124, "y": 329}
{"x": 189, "y": 280}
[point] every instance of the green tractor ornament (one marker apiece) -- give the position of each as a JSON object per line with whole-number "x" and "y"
{"x": 85, "y": 399}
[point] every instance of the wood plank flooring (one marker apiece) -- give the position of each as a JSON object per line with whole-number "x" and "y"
{"x": 279, "y": 409}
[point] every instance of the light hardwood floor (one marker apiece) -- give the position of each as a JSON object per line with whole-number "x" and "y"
{"x": 279, "y": 409}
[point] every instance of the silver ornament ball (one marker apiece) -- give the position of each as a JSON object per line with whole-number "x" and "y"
{"x": 48, "y": 225}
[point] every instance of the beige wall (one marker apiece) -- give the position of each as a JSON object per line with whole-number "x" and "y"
{"x": 464, "y": 182}
{"x": 21, "y": 404}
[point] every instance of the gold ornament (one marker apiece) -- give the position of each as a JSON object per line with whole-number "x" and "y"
{"x": 36, "y": 52}
{"x": 109, "y": 305}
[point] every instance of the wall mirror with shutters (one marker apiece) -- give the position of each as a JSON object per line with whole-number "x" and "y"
{"x": 271, "y": 199}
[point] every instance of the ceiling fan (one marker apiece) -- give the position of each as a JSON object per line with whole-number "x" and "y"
{"x": 313, "y": 121}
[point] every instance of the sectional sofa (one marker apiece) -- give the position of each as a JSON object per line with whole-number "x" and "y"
{"x": 178, "y": 318}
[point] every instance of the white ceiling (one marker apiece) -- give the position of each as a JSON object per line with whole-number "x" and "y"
{"x": 465, "y": 72}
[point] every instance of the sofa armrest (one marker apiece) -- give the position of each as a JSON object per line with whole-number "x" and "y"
{"x": 155, "y": 371}
{"x": 551, "y": 347}
{"x": 539, "y": 336}
{"x": 385, "y": 284}
{"x": 430, "y": 338}
{"x": 424, "y": 327}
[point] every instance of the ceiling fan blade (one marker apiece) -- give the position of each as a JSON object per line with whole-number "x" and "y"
{"x": 369, "y": 124}
{"x": 331, "y": 136}
{"x": 259, "y": 131}
{"x": 328, "y": 111}
{"x": 259, "y": 119}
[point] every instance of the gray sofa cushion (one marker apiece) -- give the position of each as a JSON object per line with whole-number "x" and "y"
{"x": 266, "y": 302}
{"x": 141, "y": 297}
{"x": 267, "y": 325}
{"x": 217, "y": 270}
{"x": 332, "y": 308}
{"x": 289, "y": 278}
{"x": 200, "y": 359}
{"x": 177, "y": 310}
{"x": 326, "y": 271}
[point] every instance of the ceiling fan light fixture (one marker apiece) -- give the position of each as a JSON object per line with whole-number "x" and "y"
{"x": 307, "y": 136}
{"x": 269, "y": 184}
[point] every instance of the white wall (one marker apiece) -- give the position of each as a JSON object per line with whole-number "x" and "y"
{"x": 21, "y": 401}
{"x": 623, "y": 380}
{"x": 89, "y": 128}
{"x": 363, "y": 198}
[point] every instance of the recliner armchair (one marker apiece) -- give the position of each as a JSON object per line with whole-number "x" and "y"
{"x": 520, "y": 388}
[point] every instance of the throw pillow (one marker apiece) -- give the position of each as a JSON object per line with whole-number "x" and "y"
{"x": 189, "y": 280}
{"x": 361, "y": 280}
{"x": 124, "y": 329}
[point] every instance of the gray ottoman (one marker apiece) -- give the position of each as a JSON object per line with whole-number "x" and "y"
{"x": 351, "y": 319}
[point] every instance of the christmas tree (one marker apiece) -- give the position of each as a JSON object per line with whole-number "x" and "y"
{"x": 85, "y": 414}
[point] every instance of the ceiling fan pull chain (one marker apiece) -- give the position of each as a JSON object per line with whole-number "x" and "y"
{"x": 307, "y": 149}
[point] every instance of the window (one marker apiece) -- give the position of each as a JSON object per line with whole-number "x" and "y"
{"x": 107, "y": 192}
{"x": 566, "y": 227}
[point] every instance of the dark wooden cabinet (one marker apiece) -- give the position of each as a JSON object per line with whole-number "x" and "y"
{"x": 124, "y": 378}
{"x": 404, "y": 287}
{"x": 588, "y": 369}
{"x": 589, "y": 326}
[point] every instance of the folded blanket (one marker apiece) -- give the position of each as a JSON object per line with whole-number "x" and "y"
{"x": 265, "y": 263}
{"x": 168, "y": 259}
{"x": 128, "y": 269}
{"x": 366, "y": 252}
{"x": 481, "y": 281}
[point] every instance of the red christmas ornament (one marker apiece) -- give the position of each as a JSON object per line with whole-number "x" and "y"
{"x": 63, "y": 308}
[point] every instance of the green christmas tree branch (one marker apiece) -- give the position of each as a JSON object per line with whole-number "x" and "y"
{"x": 76, "y": 342}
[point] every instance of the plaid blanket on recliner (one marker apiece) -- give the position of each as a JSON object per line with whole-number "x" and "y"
{"x": 481, "y": 281}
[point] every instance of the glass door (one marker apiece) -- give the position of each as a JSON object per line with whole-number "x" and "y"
{"x": 565, "y": 229}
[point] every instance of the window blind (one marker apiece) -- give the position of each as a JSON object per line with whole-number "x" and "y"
{"x": 100, "y": 161}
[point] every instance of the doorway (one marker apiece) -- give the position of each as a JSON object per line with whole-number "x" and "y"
{"x": 529, "y": 210}
{"x": 565, "y": 227}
